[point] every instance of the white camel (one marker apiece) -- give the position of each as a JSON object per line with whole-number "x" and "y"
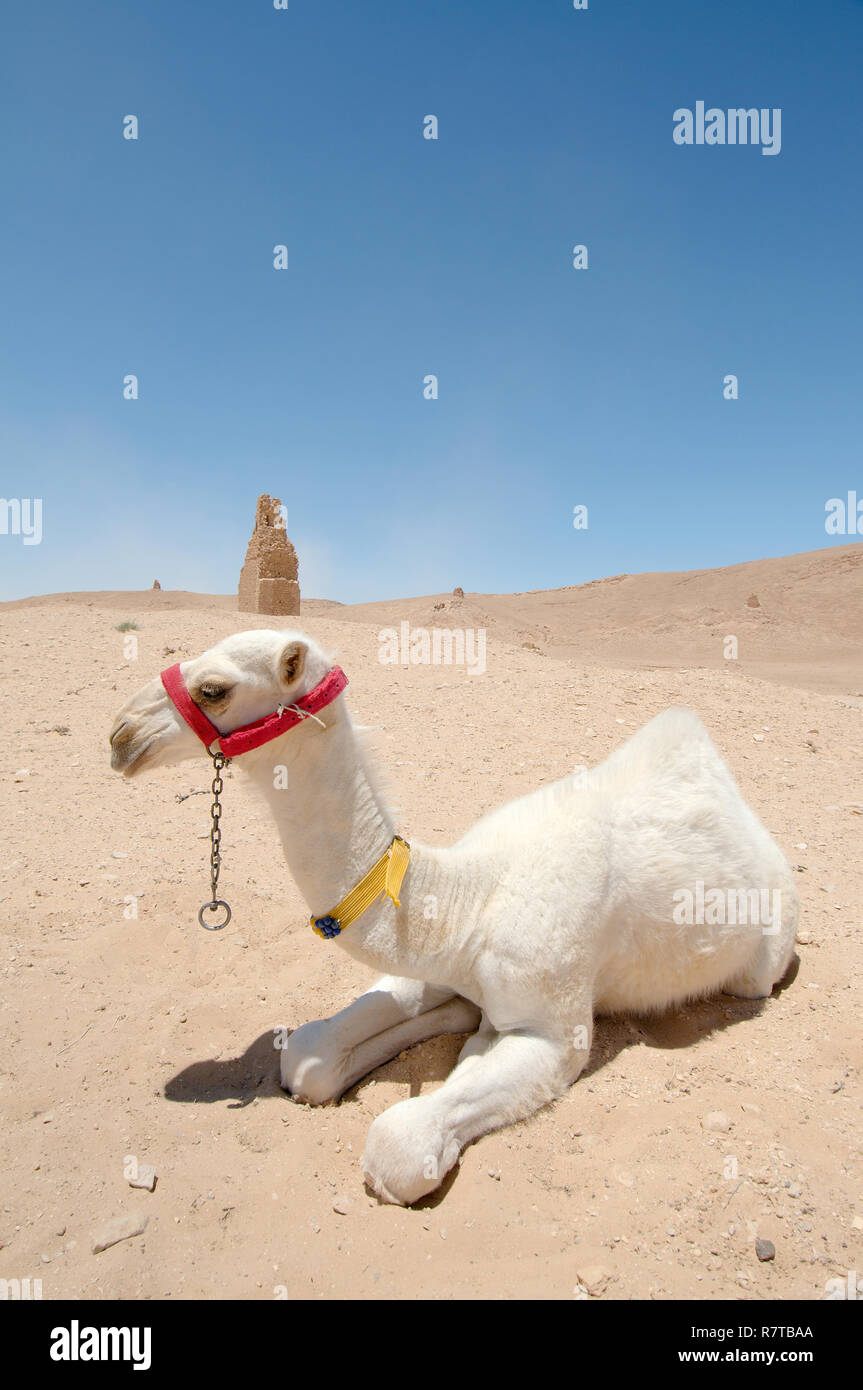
{"x": 589, "y": 896}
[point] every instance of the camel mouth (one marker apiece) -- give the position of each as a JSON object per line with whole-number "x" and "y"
{"x": 129, "y": 761}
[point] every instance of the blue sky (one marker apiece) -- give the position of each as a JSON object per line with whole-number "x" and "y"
{"x": 410, "y": 257}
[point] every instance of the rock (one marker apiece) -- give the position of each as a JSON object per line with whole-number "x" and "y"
{"x": 765, "y": 1249}
{"x": 146, "y": 1177}
{"x": 117, "y": 1229}
{"x": 22, "y": 774}
{"x": 594, "y": 1278}
{"x": 753, "y": 601}
{"x": 342, "y": 1205}
{"x": 268, "y": 580}
{"x": 717, "y": 1122}
{"x": 458, "y": 592}
{"x": 857, "y": 1223}
{"x": 156, "y": 584}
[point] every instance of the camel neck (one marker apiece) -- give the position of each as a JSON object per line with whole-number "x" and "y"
{"x": 334, "y": 825}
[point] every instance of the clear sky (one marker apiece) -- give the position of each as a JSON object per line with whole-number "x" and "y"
{"x": 409, "y": 257}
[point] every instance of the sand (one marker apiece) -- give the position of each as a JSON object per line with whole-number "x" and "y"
{"x": 150, "y": 1041}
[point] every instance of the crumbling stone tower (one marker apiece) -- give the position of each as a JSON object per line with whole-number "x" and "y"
{"x": 268, "y": 579}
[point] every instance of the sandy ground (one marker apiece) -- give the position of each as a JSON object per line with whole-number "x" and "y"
{"x": 153, "y": 1039}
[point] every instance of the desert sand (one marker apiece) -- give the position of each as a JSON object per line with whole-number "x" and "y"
{"x": 149, "y": 1040}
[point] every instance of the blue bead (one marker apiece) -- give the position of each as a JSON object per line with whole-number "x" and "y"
{"x": 328, "y": 925}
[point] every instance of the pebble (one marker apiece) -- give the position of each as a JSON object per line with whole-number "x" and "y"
{"x": 717, "y": 1122}
{"x": 342, "y": 1205}
{"x": 146, "y": 1177}
{"x": 117, "y": 1229}
{"x": 765, "y": 1249}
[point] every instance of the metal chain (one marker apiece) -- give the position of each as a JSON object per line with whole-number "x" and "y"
{"x": 219, "y": 761}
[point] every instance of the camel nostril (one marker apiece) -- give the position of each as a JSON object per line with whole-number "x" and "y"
{"x": 116, "y": 731}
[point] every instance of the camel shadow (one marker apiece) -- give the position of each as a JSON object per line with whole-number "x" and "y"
{"x": 255, "y": 1073}
{"x": 238, "y": 1079}
{"x": 678, "y": 1027}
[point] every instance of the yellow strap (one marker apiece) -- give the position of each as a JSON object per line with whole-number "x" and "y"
{"x": 385, "y": 877}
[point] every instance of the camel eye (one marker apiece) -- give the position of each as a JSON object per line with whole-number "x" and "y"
{"x": 210, "y": 691}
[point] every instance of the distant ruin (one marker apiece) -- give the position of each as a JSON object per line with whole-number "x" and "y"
{"x": 268, "y": 579}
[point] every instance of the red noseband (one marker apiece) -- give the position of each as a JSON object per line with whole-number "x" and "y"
{"x": 250, "y": 736}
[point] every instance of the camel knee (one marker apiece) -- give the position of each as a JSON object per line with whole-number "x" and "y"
{"x": 312, "y": 1069}
{"x": 408, "y": 1152}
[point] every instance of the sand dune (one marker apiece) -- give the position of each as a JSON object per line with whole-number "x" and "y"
{"x": 805, "y": 627}
{"x": 798, "y": 619}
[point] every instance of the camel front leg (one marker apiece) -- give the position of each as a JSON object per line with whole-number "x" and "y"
{"x": 413, "y": 1145}
{"x": 323, "y": 1059}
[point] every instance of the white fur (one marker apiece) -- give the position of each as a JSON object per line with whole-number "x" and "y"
{"x": 556, "y": 907}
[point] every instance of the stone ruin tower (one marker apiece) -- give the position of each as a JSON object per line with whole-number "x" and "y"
{"x": 268, "y": 579}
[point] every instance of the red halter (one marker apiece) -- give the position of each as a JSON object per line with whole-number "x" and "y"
{"x": 250, "y": 736}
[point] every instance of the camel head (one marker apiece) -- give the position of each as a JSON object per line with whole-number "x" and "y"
{"x": 241, "y": 679}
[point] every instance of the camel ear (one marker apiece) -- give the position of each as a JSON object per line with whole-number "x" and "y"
{"x": 292, "y": 662}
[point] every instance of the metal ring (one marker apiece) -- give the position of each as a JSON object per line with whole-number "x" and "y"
{"x": 211, "y": 907}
